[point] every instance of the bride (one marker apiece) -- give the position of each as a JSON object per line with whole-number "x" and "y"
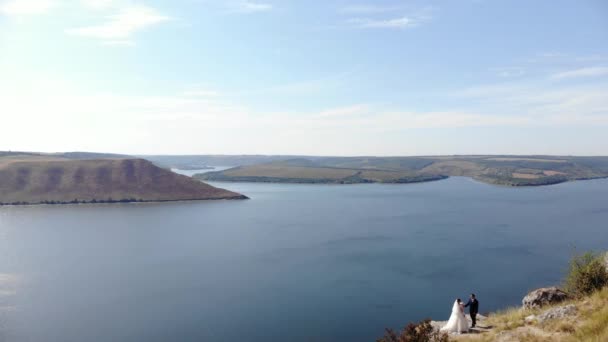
{"x": 458, "y": 322}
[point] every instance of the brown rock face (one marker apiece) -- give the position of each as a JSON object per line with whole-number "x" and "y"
{"x": 104, "y": 180}
{"x": 543, "y": 296}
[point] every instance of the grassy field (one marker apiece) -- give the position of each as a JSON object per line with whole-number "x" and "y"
{"x": 590, "y": 324}
{"x": 284, "y": 173}
{"x": 500, "y": 170}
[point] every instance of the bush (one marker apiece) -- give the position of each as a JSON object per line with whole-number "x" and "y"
{"x": 415, "y": 332}
{"x": 587, "y": 273}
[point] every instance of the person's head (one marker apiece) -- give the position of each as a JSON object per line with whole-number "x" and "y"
{"x": 458, "y": 300}
{"x": 472, "y": 296}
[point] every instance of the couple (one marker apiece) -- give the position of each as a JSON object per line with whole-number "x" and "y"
{"x": 458, "y": 322}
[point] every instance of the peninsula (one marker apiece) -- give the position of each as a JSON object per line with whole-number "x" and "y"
{"x": 506, "y": 170}
{"x": 36, "y": 178}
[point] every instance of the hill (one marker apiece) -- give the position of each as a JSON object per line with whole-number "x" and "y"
{"x": 502, "y": 170}
{"x": 37, "y": 178}
{"x": 193, "y": 162}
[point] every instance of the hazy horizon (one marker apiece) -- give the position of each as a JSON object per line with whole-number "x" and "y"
{"x": 311, "y": 155}
{"x": 339, "y": 78}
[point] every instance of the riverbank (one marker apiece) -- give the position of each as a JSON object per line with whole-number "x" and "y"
{"x": 546, "y": 314}
{"x": 573, "y": 320}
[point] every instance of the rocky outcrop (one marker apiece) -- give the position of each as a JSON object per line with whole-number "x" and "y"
{"x": 559, "y": 312}
{"x": 543, "y": 296}
{"x": 42, "y": 180}
{"x": 554, "y": 313}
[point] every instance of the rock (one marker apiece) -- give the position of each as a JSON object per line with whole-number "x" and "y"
{"x": 530, "y": 319}
{"x": 559, "y": 312}
{"x": 543, "y": 296}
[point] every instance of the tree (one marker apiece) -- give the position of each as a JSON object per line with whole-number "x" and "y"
{"x": 587, "y": 273}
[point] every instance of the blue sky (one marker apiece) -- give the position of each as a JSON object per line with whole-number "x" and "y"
{"x": 305, "y": 77}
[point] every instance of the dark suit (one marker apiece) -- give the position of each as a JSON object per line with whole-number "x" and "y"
{"x": 473, "y": 310}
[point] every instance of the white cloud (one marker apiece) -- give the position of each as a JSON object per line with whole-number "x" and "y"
{"x": 413, "y": 19}
{"x": 367, "y": 9}
{"x": 508, "y": 72}
{"x": 197, "y": 121}
{"x": 542, "y": 105}
{"x": 582, "y": 72}
{"x": 400, "y": 23}
{"x": 25, "y": 7}
{"x": 119, "y": 27}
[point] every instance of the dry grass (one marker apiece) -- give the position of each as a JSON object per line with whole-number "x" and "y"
{"x": 511, "y": 171}
{"x": 553, "y": 173}
{"x": 384, "y": 176}
{"x": 529, "y": 159}
{"x": 281, "y": 171}
{"x": 560, "y": 326}
{"x": 454, "y": 168}
{"x": 590, "y": 324}
{"x": 525, "y": 175}
{"x": 304, "y": 172}
{"x": 8, "y": 160}
{"x": 50, "y": 181}
{"x": 593, "y": 317}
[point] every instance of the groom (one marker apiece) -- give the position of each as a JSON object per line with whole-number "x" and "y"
{"x": 474, "y": 309}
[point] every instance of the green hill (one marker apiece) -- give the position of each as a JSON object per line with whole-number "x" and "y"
{"x": 502, "y": 170}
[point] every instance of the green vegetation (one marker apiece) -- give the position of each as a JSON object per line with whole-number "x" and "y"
{"x": 587, "y": 273}
{"x": 510, "y": 180}
{"x": 287, "y": 172}
{"x": 500, "y": 170}
{"x": 587, "y": 281}
{"x": 415, "y": 332}
{"x": 589, "y": 324}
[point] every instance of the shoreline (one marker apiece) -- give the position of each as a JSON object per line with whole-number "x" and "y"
{"x": 472, "y": 178}
{"x": 235, "y": 198}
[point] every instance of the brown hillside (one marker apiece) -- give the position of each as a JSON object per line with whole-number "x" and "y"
{"x": 47, "y": 180}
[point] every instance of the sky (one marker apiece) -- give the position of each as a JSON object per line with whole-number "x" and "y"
{"x": 307, "y": 77}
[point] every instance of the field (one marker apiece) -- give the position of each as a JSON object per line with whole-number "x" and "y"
{"x": 589, "y": 324}
{"x": 500, "y": 170}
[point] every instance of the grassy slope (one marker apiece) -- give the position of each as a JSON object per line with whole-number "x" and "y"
{"x": 503, "y": 170}
{"x": 35, "y": 179}
{"x": 285, "y": 173}
{"x": 589, "y": 325}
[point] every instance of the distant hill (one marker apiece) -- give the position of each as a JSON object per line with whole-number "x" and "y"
{"x": 189, "y": 162}
{"x": 92, "y": 155}
{"x": 54, "y": 178}
{"x": 68, "y": 155}
{"x": 502, "y": 170}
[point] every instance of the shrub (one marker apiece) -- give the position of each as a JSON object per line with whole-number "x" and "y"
{"x": 415, "y": 332}
{"x": 587, "y": 273}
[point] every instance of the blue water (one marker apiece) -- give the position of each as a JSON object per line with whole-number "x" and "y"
{"x": 296, "y": 262}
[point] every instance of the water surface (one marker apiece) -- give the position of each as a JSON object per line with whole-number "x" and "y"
{"x": 296, "y": 262}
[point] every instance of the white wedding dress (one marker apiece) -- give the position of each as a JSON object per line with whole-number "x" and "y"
{"x": 458, "y": 322}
